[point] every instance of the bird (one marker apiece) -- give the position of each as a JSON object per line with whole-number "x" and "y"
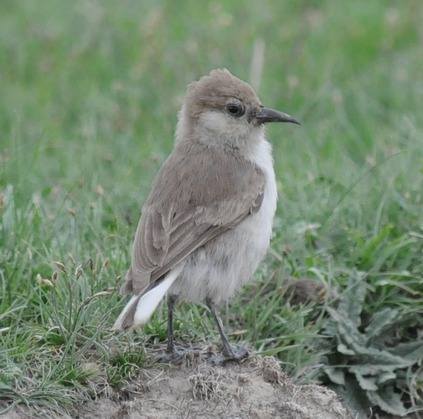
{"x": 207, "y": 222}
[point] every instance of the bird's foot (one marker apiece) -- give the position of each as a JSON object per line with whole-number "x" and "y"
{"x": 236, "y": 354}
{"x": 171, "y": 357}
{"x": 178, "y": 355}
{"x": 232, "y": 354}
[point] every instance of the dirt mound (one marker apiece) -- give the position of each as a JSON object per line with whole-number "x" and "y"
{"x": 256, "y": 388}
{"x": 197, "y": 388}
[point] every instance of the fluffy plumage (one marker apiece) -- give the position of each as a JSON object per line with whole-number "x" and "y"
{"x": 207, "y": 222}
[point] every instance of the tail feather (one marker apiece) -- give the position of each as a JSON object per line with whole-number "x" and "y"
{"x": 126, "y": 317}
{"x": 140, "y": 307}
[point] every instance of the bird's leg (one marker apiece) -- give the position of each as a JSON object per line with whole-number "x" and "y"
{"x": 171, "y": 300}
{"x": 172, "y": 353}
{"x": 228, "y": 351}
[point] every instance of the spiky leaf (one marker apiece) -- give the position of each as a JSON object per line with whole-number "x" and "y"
{"x": 366, "y": 383}
{"x": 381, "y": 321}
{"x": 346, "y": 328}
{"x": 376, "y": 356}
{"x": 386, "y": 376}
{"x": 412, "y": 351}
{"x": 388, "y": 400}
{"x": 344, "y": 350}
{"x": 336, "y": 375}
{"x": 352, "y": 303}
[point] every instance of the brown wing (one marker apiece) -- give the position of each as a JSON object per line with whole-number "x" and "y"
{"x": 198, "y": 195}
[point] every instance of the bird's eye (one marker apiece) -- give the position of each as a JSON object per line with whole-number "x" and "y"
{"x": 235, "y": 109}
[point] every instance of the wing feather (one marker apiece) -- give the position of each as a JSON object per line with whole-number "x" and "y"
{"x": 198, "y": 195}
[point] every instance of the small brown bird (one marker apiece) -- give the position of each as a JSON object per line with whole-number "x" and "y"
{"x": 207, "y": 222}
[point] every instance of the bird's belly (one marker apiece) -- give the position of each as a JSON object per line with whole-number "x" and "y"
{"x": 223, "y": 265}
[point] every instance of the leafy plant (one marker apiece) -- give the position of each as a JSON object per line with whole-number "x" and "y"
{"x": 124, "y": 366}
{"x": 378, "y": 356}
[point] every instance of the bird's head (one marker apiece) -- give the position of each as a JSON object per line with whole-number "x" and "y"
{"x": 222, "y": 108}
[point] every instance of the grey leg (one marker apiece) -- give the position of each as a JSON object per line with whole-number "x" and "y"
{"x": 171, "y": 300}
{"x": 172, "y": 354}
{"x": 228, "y": 352}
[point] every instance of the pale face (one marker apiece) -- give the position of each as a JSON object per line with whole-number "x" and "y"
{"x": 222, "y": 109}
{"x": 232, "y": 122}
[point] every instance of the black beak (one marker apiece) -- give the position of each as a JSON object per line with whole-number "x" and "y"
{"x": 271, "y": 115}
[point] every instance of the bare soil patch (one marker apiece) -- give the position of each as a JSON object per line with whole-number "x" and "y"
{"x": 254, "y": 388}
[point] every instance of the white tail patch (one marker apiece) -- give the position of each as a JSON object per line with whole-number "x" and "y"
{"x": 148, "y": 302}
{"x": 119, "y": 320}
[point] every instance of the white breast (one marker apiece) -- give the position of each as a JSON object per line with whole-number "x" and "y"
{"x": 222, "y": 266}
{"x": 262, "y": 157}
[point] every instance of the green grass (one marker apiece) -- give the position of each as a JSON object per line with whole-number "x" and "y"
{"x": 89, "y": 93}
